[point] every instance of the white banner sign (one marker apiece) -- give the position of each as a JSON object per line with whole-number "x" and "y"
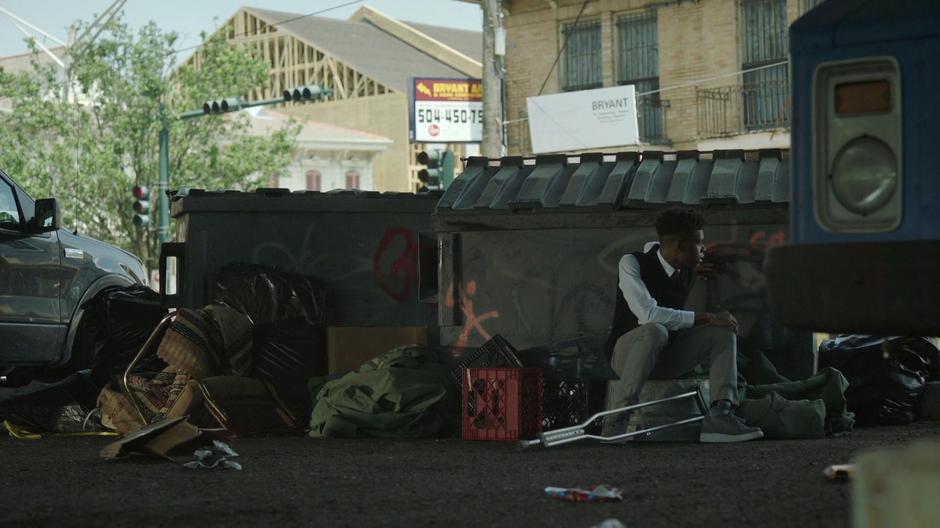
{"x": 589, "y": 119}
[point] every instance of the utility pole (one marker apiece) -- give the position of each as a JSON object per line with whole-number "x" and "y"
{"x": 494, "y": 49}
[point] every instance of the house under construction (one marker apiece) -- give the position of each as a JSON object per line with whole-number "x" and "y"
{"x": 367, "y": 61}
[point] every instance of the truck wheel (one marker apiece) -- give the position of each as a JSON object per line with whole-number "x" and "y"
{"x": 85, "y": 346}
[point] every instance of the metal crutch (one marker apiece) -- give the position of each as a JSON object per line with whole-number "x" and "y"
{"x": 574, "y": 433}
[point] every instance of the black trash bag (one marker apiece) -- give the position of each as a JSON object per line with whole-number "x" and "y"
{"x": 887, "y": 375}
{"x": 116, "y": 323}
{"x": 289, "y": 316}
{"x": 61, "y": 407}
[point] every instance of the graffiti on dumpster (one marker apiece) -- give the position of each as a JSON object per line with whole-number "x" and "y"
{"x": 560, "y": 294}
{"x": 276, "y": 252}
{"x": 395, "y": 264}
{"x": 556, "y": 286}
{"x": 761, "y": 240}
{"x": 473, "y": 322}
{"x": 609, "y": 257}
{"x": 583, "y": 304}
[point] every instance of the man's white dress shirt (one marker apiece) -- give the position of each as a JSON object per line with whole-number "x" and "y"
{"x": 638, "y": 297}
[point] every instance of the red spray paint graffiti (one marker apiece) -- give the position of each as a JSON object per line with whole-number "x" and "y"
{"x": 760, "y": 239}
{"x": 397, "y": 273}
{"x": 473, "y": 321}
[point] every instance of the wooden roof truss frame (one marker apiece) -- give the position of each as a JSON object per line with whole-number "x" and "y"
{"x": 293, "y": 62}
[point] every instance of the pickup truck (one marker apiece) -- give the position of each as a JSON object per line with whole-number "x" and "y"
{"x": 46, "y": 275}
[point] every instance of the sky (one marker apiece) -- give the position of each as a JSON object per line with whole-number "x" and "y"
{"x": 190, "y": 17}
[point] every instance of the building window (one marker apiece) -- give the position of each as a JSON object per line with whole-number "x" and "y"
{"x": 314, "y": 179}
{"x": 766, "y": 90}
{"x": 582, "y": 66}
{"x": 638, "y": 64}
{"x": 352, "y": 179}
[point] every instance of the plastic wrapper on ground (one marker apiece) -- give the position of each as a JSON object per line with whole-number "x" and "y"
{"x": 597, "y": 494}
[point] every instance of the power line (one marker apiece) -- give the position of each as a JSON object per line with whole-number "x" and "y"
{"x": 715, "y": 77}
{"x": 563, "y": 46}
{"x": 686, "y": 84}
{"x": 282, "y": 22}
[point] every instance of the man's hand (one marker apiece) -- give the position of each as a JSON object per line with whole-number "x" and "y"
{"x": 710, "y": 267}
{"x": 718, "y": 319}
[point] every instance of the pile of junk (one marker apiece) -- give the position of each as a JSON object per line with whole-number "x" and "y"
{"x": 254, "y": 363}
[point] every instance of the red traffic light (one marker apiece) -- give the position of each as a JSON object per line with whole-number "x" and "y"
{"x": 141, "y": 192}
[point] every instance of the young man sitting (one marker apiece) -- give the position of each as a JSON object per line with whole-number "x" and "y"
{"x": 654, "y": 337}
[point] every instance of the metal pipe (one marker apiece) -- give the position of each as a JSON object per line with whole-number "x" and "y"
{"x": 163, "y": 230}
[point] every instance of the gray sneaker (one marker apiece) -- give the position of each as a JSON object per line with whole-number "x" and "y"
{"x": 721, "y": 426}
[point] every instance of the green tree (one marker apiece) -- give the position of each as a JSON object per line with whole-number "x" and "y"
{"x": 88, "y": 135}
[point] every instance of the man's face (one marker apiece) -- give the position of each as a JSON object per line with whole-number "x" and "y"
{"x": 692, "y": 250}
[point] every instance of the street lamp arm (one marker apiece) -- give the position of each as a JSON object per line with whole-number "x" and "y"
{"x": 191, "y": 114}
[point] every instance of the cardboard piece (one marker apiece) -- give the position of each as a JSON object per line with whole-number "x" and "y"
{"x": 176, "y": 436}
{"x": 157, "y": 439}
{"x": 348, "y": 347}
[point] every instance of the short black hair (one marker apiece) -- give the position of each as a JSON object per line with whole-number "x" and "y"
{"x": 673, "y": 222}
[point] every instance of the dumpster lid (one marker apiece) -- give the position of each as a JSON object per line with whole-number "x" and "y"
{"x": 492, "y": 193}
{"x": 273, "y": 200}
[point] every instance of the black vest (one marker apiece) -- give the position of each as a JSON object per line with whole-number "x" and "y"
{"x": 669, "y": 292}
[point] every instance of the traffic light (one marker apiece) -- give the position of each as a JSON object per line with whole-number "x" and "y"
{"x": 220, "y": 106}
{"x": 306, "y": 93}
{"x": 141, "y": 206}
{"x": 438, "y": 169}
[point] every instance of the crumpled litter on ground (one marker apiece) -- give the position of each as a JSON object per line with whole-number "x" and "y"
{"x": 839, "y": 471}
{"x": 216, "y": 455}
{"x": 610, "y": 523}
{"x": 599, "y": 493}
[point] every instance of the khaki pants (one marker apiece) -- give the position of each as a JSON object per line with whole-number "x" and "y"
{"x": 652, "y": 352}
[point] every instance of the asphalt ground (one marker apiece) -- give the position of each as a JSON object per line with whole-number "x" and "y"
{"x": 296, "y": 481}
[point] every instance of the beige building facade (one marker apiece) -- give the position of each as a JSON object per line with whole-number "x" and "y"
{"x": 708, "y": 73}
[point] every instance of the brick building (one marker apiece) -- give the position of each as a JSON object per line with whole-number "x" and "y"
{"x": 692, "y": 50}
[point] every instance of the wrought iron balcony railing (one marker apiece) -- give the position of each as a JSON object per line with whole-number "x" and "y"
{"x": 732, "y": 110}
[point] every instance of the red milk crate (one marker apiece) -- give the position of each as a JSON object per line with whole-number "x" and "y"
{"x": 501, "y": 403}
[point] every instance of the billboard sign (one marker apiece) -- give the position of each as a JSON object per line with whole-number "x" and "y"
{"x": 446, "y": 110}
{"x": 583, "y": 120}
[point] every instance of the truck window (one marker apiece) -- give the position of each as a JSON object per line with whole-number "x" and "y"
{"x": 9, "y": 213}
